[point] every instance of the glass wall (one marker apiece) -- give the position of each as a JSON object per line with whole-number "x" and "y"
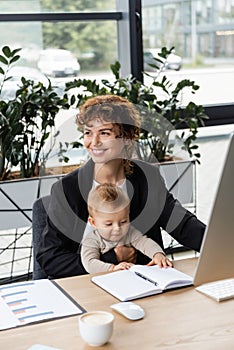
{"x": 173, "y": 22}
{"x": 94, "y": 44}
{"x": 202, "y": 33}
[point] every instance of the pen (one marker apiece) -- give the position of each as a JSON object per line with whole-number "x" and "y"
{"x": 145, "y": 278}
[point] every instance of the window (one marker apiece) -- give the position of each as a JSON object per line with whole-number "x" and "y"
{"x": 93, "y": 43}
{"x": 97, "y": 32}
{"x": 202, "y": 33}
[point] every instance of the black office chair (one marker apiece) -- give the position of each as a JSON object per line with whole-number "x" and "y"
{"x": 38, "y": 225}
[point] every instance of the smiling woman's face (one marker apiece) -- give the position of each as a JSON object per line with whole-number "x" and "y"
{"x": 102, "y": 141}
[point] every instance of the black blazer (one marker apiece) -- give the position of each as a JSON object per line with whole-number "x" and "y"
{"x": 152, "y": 208}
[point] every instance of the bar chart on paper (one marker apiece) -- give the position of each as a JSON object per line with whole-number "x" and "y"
{"x": 33, "y": 301}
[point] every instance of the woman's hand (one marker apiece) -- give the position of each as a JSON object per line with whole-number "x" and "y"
{"x": 126, "y": 254}
{"x": 161, "y": 260}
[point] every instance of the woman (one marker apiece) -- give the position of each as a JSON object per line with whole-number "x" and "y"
{"x": 111, "y": 125}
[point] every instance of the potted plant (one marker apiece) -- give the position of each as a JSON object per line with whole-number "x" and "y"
{"x": 26, "y": 121}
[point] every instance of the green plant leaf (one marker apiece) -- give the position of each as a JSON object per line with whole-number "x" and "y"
{"x": 7, "y": 51}
{"x": 13, "y": 52}
{"x": 76, "y": 144}
{"x": 14, "y": 59}
{"x": 3, "y": 60}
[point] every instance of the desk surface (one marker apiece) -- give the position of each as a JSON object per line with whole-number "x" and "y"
{"x": 180, "y": 319}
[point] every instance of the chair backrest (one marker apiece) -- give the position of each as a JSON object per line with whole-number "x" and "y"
{"x": 38, "y": 225}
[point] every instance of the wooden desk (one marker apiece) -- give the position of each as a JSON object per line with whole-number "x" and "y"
{"x": 181, "y": 319}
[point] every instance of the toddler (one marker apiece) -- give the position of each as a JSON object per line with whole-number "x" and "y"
{"x": 109, "y": 207}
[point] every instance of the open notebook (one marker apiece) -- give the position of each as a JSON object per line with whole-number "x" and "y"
{"x": 141, "y": 281}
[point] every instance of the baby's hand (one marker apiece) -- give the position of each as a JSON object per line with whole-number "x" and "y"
{"x": 161, "y": 260}
{"x": 121, "y": 266}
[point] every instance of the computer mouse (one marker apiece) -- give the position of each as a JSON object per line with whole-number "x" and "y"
{"x": 130, "y": 310}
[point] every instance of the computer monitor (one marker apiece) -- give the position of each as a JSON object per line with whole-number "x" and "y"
{"x": 216, "y": 260}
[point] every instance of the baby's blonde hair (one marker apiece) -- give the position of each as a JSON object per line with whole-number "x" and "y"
{"x": 107, "y": 198}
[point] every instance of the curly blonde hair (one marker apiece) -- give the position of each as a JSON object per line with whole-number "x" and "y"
{"x": 117, "y": 110}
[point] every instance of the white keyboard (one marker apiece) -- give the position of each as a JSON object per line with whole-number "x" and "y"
{"x": 219, "y": 290}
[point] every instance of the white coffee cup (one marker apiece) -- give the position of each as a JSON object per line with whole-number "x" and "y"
{"x": 96, "y": 327}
